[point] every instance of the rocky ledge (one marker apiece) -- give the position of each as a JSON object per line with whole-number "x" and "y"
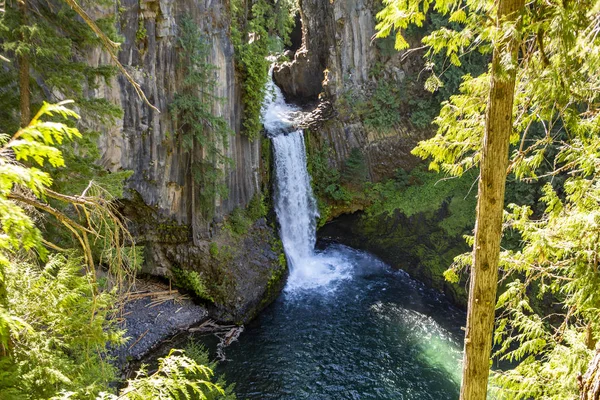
{"x": 151, "y": 315}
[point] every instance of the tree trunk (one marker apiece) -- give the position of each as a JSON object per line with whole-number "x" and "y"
{"x": 490, "y": 206}
{"x": 23, "y": 60}
{"x": 590, "y": 382}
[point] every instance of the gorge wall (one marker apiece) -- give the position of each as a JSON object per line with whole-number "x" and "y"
{"x": 163, "y": 200}
{"x": 369, "y": 110}
{"x": 342, "y": 64}
{"x": 367, "y": 101}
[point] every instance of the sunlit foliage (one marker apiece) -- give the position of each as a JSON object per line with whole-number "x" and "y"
{"x": 547, "y": 321}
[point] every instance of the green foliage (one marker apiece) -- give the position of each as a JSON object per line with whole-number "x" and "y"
{"x": 277, "y": 274}
{"x": 141, "y": 34}
{"x": 199, "y": 354}
{"x": 325, "y": 181}
{"x": 52, "y": 38}
{"x": 252, "y": 33}
{"x": 33, "y": 143}
{"x": 240, "y": 220}
{"x": 192, "y": 280}
{"x": 54, "y": 320}
{"x": 203, "y": 134}
{"x": 67, "y": 326}
{"x": 390, "y": 103}
{"x": 426, "y": 192}
{"x": 383, "y": 110}
{"x": 178, "y": 377}
{"x": 257, "y": 208}
{"x": 213, "y": 250}
{"x": 354, "y": 171}
{"x": 548, "y": 320}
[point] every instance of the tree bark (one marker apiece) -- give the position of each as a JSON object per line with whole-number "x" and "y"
{"x": 490, "y": 206}
{"x": 590, "y": 382}
{"x": 23, "y": 60}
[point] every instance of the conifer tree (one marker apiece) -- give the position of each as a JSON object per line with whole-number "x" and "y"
{"x": 554, "y": 143}
{"x": 490, "y": 205}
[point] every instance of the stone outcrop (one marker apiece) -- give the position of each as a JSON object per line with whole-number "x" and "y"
{"x": 301, "y": 79}
{"x": 163, "y": 199}
{"x": 337, "y": 60}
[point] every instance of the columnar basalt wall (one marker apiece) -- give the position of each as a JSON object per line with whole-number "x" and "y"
{"x": 339, "y": 61}
{"x": 163, "y": 199}
{"x": 145, "y": 141}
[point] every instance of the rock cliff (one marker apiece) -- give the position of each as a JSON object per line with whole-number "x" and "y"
{"x": 163, "y": 200}
{"x": 342, "y": 63}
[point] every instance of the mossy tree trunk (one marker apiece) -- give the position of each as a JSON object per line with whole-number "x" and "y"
{"x": 23, "y": 60}
{"x": 490, "y": 206}
{"x": 590, "y": 382}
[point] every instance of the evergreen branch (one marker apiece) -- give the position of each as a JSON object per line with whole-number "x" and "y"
{"x": 50, "y": 210}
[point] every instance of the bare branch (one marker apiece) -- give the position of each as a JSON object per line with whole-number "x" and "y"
{"x": 110, "y": 47}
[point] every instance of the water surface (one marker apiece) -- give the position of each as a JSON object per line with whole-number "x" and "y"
{"x": 372, "y": 333}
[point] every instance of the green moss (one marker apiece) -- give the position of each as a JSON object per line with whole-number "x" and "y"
{"x": 275, "y": 281}
{"x": 191, "y": 280}
{"x": 240, "y": 220}
{"x": 214, "y": 250}
{"x": 141, "y": 34}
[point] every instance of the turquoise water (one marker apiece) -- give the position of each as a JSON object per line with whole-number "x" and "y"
{"x": 374, "y": 333}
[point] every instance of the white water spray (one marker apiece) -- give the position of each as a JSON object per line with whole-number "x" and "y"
{"x": 295, "y": 204}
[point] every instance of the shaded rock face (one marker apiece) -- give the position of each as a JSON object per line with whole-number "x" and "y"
{"x": 163, "y": 199}
{"x": 337, "y": 59}
{"x": 301, "y": 79}
{"x": 242, "y": 274}
{"x": 145, "y": 141}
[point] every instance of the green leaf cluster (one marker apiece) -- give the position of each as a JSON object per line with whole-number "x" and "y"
{"x": 425, "y": 192}
{"x": 54, "y": 320}
{"x": 254, "y": 25}
{"x": 178, "y": 377}
{"x": 547, "y": 324}
{"x": 66, "y": 324}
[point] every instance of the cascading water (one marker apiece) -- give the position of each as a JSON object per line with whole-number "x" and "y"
{"x": 379, "y": 335}
{"x": 295, "y": 204}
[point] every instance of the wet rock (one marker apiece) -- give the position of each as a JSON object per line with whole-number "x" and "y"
{"x": 301, "y": 79}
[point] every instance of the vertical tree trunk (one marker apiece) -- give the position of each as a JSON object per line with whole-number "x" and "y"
{"x": 490, "y": 206}
{"x": 23, "y": 60}
{"x": 590, "y": 382}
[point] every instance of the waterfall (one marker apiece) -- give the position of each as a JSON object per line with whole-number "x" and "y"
{"x": 294, "y": 202}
